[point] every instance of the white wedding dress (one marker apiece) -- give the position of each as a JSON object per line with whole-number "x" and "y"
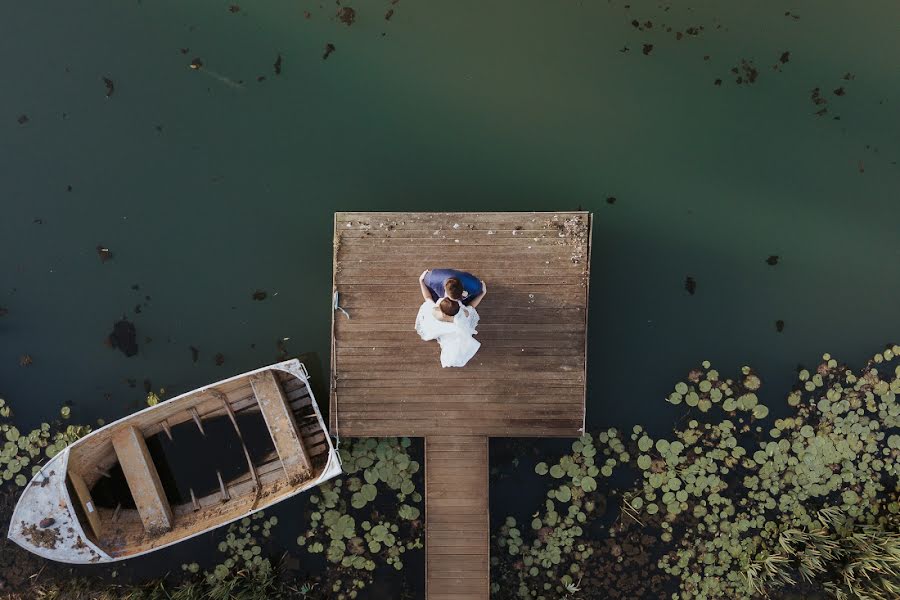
{"x": 457, "y": 344}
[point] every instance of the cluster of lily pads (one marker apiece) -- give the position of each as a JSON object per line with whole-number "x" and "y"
{"x": 24, "y": 453}
{"x": 346, "y": 525}
{"x": 736, "y": 506}
{"x": 554, "y": 546}
{"x": 244, "y": 560}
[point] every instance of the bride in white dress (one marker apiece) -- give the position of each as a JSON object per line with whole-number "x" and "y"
{"x": 451, "y": 323}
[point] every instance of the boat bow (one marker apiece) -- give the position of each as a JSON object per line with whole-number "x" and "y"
{"x": 44, "y": 521}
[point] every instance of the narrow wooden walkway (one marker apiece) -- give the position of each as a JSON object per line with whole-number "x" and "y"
{"x": 456, "y": 513}
{"x": 527, "y": 380}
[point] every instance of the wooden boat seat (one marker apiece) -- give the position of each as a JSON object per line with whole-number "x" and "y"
{"x": 143, "y": 480}
{"x": 280, "y": 420}
{"x": 87, "y": 503}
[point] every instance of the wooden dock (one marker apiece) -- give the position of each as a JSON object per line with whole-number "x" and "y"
{"x": 527, "y": 380}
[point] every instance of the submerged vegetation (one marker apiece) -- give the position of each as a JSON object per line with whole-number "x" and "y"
{"x": 730, "y": 505}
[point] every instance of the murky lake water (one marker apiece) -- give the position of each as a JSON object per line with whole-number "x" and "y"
{"x": 209, "y": 185}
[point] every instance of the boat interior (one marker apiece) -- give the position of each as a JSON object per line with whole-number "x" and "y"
{"x": 196, "y": 462}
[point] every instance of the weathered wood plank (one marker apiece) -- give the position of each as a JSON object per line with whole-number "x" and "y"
{"x": 283, "y": 427}
{"x": 143, "y": 480}
{"x": 460, "y": 463}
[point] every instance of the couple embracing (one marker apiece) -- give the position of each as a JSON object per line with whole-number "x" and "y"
{"x": 448, "y": 313}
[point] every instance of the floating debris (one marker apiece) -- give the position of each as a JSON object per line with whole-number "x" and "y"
{"x": 779, "y": 325}
{"x": 819, "y": 101}
{"x": 746, "y": 72}
{"x": 110, "y": 86}
{"x": 782, "y": 60}
{"x": 196, "y": 64}
{"x": 124, "y": 337}
{"x": 611, "y": 200}
{"x": 42, "y": 538}
{"x": 22, "y": 119}
{"x": 3, "y": 311}
{"x": 277, "y": 64}
{"x": 346, "y": 15}
{"x": 260, "y": 295}
{"x": 690, "y": 285}
{"x": 647, "y": 49}
{"x": 389, "y": 14}
{"x": 25, "y": 360}
{"x": 104, "y": 253}
{"x": 195, "y": 354}
{"x": 329, "y": 48}
{"x": 219, "y": 359}
{"x": 234, "y": 8}
{"x": 840, "y": 91}
{"x": 772, "y": 260}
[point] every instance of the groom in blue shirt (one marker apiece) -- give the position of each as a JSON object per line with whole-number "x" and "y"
{"x": 436, "y": 281}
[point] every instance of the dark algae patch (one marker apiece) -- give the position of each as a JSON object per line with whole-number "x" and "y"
{"x": 329, "y": 48}
{"x": 779, "y": 325}
{"x": 124, "y": 337}
{"x": 219, "y": 359}
{"x": 773, "y": 260}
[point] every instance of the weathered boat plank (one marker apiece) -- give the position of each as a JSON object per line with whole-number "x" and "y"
{"x": 280, "y": 421}
{"x": 143, "y": 480}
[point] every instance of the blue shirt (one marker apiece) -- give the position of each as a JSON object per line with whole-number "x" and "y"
{"x": 435, "y": 279}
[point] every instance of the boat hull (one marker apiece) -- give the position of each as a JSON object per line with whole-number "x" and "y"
{"x": 45, "y": 520}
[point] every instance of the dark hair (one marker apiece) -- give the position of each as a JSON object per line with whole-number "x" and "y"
{"x": 449, "y": 307}
{"x": 454, "y": 288}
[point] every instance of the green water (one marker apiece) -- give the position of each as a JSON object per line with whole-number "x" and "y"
{"x": 206, "y": 192}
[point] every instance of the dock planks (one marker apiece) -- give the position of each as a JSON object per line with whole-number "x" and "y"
{"x": 457, "y": 548}
{"x": 386, "y": 381}
{"x": 527, "y": 380}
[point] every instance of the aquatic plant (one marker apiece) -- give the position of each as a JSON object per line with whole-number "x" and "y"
{"x": 244, "y": 574}
{"x": 345, "y": 524}
{"x": 733, "y": 506}
{"x": 23, "y": 453}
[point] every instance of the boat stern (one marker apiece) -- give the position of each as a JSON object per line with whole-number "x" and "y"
{"x": 44, "y": 521}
